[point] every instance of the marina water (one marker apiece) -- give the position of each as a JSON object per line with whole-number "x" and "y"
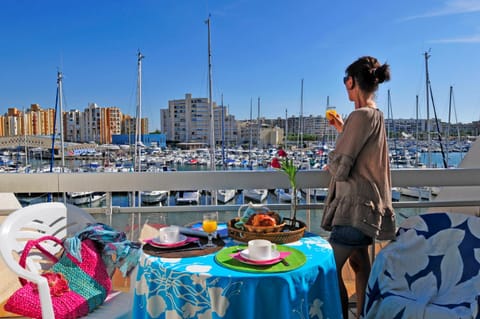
{"x": 125, "y": 199}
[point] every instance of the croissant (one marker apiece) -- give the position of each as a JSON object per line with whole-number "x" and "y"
{"x": 261, "y": 220}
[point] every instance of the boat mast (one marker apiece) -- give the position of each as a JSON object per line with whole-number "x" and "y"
{"x": 391, "y": 133}
{"x": 251, "y": 137}
{"x": 25, "y": 137}
{"x": 259, "y": 126}
{"x": 60, "y": 104}
{"x": 223, "y": 136}
{"x": 416, "y": 131}
{"x": 427, "y": 88}
{"x": 301, "y": 116}
{"x": 449, "y": 119}
{"x": 212, "y": 114}
{"x": 138, "y": 125}
{"x": 62, "y": 138}
{"x": 324, "y": 142}
{"x": 286, "y": 128}
{"x": 210, "y": 100}
{"x": 138, "y": 120}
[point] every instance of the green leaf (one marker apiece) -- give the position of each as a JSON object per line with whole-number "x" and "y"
{"x": 289, "y": 168}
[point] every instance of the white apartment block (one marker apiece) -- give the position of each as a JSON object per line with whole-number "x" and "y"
{"x": 92, "y": 119}
{"x": 72, "y": 120}
{"x": 188, "y": 121}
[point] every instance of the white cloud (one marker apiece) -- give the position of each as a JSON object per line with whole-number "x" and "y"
{"x": 450, "y": 7}
{"x": 470, "y": 39}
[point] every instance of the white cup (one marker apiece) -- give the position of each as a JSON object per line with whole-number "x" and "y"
{"x": 169, "y": 234}
{"x": 261, "y": 249}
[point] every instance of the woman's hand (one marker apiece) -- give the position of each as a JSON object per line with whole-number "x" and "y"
{"x": 334, "y": 119}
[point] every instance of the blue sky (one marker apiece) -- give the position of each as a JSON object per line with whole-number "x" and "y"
{"x": 260, "y": 49}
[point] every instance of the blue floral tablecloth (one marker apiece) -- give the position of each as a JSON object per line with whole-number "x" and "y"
{"x": 198, "y": 287}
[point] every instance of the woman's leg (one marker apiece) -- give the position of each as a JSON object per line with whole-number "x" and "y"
{"x": 341, "y": 254}
{"x": 360, "y": 263}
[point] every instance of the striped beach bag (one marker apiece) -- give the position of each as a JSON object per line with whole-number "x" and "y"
{"x": 77, "y": 287}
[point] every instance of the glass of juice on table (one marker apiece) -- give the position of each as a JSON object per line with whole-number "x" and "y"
{"x": 209, "y": 226}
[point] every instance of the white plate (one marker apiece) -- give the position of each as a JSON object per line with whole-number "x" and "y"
{"x": 244, "y": 254}
{"x": 181, "y": 240}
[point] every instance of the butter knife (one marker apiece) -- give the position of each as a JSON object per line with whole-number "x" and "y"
{"x": 180, "y": 250}
{"x": 283, "y": 261}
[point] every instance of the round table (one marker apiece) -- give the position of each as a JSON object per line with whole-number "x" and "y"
{"x": 199, "y": 287}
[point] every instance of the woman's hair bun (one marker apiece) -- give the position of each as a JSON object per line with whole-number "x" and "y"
{"x": 382, "y": 73}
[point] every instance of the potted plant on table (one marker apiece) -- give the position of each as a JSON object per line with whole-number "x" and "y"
{"x": 287, "y": 165}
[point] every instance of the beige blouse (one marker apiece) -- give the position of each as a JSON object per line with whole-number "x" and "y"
{"x": 359, "y": 194}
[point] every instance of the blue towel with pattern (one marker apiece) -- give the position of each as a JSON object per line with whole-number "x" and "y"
{"x": 117, "y": 251}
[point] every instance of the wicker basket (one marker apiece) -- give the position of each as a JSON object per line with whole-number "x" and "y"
{"x": 281, "y": 237}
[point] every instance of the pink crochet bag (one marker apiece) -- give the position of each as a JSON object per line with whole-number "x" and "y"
{"x": 77, "y": 287}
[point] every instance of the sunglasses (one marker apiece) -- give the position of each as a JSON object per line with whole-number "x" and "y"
{"x": 345, "y": 79}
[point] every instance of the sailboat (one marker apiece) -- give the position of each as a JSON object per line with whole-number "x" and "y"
{"x": 425, "y": 193}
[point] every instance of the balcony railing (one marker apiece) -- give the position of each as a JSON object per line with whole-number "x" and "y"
{"x": 212, "y": 180}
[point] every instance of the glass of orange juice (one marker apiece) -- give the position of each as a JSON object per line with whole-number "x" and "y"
{"x": 209, "y": 225}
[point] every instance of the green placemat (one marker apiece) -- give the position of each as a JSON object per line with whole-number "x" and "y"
{"x": 296, "y": 259}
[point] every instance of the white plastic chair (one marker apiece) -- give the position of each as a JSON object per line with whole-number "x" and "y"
{"x": 55, "y": 219}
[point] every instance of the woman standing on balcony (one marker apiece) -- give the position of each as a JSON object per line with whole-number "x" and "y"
{"x": 358, "y": 208}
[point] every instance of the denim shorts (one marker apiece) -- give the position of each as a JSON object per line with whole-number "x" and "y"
{"x": 349, "y": 236}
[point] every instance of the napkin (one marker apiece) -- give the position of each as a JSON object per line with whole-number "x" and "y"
{"x": 196, "y": 231}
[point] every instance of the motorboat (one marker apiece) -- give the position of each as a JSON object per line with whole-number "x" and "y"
{"x": 188, "y": 197}
{"x": 154, "y": 196}
{"x": 257, "y": 195}
{"x": 285, "y": 195}
{"x": 226, "y": 195}
{"x": 82, "y": 198}
{"x": 422, "y": 193}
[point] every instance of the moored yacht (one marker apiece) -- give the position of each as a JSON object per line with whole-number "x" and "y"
{"x": 81, "y": 198}
{"x": 225, "y": 195}
{"x": 285, "y": 195}
{"x": 154, "y": 196}
{"x": 188, "y": 197}
{"x": 256, "y": 195}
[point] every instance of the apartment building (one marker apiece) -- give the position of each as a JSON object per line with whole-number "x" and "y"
{"x": 95, "y": 123}
{"x": 34, "y": 121}
{"x": 188, "y": 121}
{"x": 42, "y": 121}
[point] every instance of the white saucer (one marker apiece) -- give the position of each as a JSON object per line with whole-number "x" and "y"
{"x": 244, "y": 254}
{"x": 181, "y": 239}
